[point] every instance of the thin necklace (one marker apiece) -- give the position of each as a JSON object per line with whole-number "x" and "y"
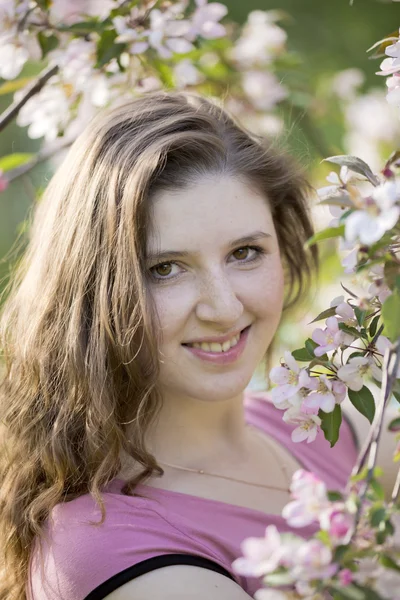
{"x": 271, "y": 487}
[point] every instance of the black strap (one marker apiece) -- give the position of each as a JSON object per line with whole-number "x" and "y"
{"x": 151, "y": 564}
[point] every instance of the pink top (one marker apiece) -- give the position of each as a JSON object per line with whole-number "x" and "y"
{"x": 78, "y": 558}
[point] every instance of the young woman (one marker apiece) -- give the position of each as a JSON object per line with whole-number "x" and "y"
{"x": 136, "y": 461}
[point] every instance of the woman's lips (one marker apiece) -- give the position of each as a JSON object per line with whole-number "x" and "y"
{"x": 222, "y": 358}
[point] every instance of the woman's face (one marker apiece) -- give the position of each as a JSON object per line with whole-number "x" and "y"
{"x": 214, "y": 284}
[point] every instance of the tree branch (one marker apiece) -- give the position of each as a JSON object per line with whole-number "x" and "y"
{"x": 8, "y": 115}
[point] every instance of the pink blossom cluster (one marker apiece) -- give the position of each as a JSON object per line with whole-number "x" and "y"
{"x": 293, "y": 567}
{"x": 303, "y": 561}
{"x": 390, "y": 68}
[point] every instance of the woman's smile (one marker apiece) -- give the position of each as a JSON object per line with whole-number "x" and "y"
{"x": 220, "y": 354}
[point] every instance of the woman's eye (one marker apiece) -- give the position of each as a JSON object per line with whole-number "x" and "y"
{"x": 163, "y": 269}
{"x": 246, "y": 254}
{"x": 242, "y": 253}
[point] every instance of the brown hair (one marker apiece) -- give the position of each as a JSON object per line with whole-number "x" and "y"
{"x": 79, "y": 331}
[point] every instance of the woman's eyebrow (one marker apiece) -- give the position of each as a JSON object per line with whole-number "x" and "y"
{"x": 247, "y": 239}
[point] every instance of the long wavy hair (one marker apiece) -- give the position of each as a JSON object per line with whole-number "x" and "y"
{"x": 79, "y": 331}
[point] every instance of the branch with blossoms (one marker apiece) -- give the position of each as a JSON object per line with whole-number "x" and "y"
{"x": 349, "y": 546}
{"x": 346, "y": 556}
{"x": 99, "y": 53}
{"x": 349, "y": 349}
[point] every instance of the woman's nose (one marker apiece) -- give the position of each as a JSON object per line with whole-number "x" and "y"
{"x": 218, "y": 301}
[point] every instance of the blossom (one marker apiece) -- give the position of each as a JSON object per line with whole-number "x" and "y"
{"x": 345, "y": 83}
{"x": 338, "y": 522}
{"x": 186, "y": 74}
{"x": 289, "y": 379}
{"x": 314, "y": 561}
{"x": 73, "y": 11}
{"x": 260, "y": 41}
{"x": 204, "y": 21}
{"x": 339, "y": 390}
{"x": 345, "y": 577}
{"x": 330, "y": 338}
{"x": 46, "y": 113}
{"x": 338, "y": 184}
{"x": 323, "y": 398}
{"x": 260, "y": 555}
{"x": 393, "y": 84}
{"x": 16, "y": 46}
{"x": 378, "y": 286}
{"x": 263, "y": 89}
{"x": 379, "y": 214}
{"x": 307, "y": 425}
{"x": 356, "y": 369}
{"x": 345, "y": 314}
{"x": 166, "y": 33}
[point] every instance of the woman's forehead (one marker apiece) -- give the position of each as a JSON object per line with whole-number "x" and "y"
{"x": 211, "y": 210}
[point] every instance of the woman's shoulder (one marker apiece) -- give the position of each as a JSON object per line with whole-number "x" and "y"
{"x": 77, "y": 553}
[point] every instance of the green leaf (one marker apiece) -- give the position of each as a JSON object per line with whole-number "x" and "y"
{"x": 391, "y": 316}
{"x": 329, "y": 312}
{"x": 47, "y": 42}
{"x": 352, "y": 330}
{"x": 377, "y": 488}
{"x": 334, "y": 496}
{"x": 85, "y": 27}
{"x": 363, "y": 401}
{"x": 329, "y": 232}
{"x": 377, "y": 515}
{"x": 310, "y": 345}
{"x": 302, "y": 355}
{"x": 391, "y": 272}
{"x": 394, "y": 425}
{"x": 9, "y": 87}
{"x": 354, "y": 164}
{"x": 360, "y": 314}
{"x": 11, "y": 161}
{"x": 330, "y": 424}
{"x": 374, "y": 325}
{"x": 387, "y": 561}
{"x": 107, "y": 49}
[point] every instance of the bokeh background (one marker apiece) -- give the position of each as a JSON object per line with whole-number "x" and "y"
{"x": 338, "y": 107}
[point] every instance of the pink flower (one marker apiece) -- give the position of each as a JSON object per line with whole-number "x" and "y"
{"x": 338, "y": 522}
{"x": 289, "y": 379}
{"x": 325, "y": 338}
{"x": 339, "y": 390}
{"x": 353, "y": 373}
{"x": 345, "y": 577}
{"x": 314, "y": 561}
{"x": 307, "y": 425}
{"x": 260, "y": 555}
{"x": 310, "y": 498}
{"x": 322, "y": 398}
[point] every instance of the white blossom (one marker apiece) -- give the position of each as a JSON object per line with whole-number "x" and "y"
{"x": 186, "y": 74}
{"x": 16, "y": 47}
{"x": 263, "y": 89}
{"x": 261, "y": 40}
{"x": 46, "y": 113}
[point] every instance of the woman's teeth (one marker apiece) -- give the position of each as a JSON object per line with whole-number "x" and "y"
{"x": 214, "y": 347}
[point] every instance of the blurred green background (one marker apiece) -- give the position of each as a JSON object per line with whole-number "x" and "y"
{"x": 327, "y": 36}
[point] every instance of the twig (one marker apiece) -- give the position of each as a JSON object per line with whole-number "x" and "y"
{"x": 391, "y": 363}
{"x": 41, "y": 156}
{"x": 8, "y": 115}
